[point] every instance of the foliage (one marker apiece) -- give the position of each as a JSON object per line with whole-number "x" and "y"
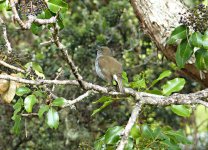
{"x": 143, "y": 137}
{"x": 83, "y": 26}
{"x": 192, "y": 43}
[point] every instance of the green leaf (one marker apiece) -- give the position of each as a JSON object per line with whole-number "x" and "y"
{"x": 183, "y": 53}
{"x": 17, "y": 106}
{"x": 147, "y": 132}
{"x": 53, "y": 118}
{"x": 178, "y": 33}
{"x": 135, "y": 131}
{"x": 201, "y": 59}
{"x": 36, "y": 67}
{"x": 4, "y": 5}
{"x": 99, "y": 144}
{"x": 205, "y": 40}
{"x": 39, "y": 94}
{"x": 102, "y": 107}
{"x": 181, "y": 110}
{"x": 112, "y": 135}
{"x": 177, "y": 136}
{"x": 42, "y": 110}
{"x": 29, "y": 102}
{"x": 125, "y": 78}
{"x": 174, "y": 85}
{"x": 58, "y": 102}
{"x": 17, "y": 124}
{"x": 129, "y": 145}
{"x": 46, "y": 14}
{"x": 155, "y": 91}
{"x": 35, "y": 28}
{"x": 163, "y": 75}
{"x": 196, "y": 39}
{"x": 60, "y": 22}
{"x": 22, "y": 91}
{"x": 56, "y": 5}
{"x": 170, "y": 145}
{"x": 102, "y": 99}
{"x": 139, "y": 82}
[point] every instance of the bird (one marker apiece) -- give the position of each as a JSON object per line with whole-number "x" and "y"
{"x": 108, "y": 68}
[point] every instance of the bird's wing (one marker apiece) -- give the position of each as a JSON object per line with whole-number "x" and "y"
{"x": 110, "y": 64}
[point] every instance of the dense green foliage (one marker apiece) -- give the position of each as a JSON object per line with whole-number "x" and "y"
{"x": 97, "y": 122}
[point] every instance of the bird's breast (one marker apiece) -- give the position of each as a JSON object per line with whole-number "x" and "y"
{"x": 98, "y": 70}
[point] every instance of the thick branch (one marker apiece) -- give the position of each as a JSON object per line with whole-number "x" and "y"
{"x": 131, "y": 122}
{"x": 158, "y": 19}
{"x": 147, "y": 98}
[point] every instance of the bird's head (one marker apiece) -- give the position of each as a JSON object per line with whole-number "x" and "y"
{"x": 104, "y": 50}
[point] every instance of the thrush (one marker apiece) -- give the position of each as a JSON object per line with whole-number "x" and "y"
{"x": 108, "y": 68}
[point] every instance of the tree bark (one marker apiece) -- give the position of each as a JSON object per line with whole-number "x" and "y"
{"x": 158, "y": 19}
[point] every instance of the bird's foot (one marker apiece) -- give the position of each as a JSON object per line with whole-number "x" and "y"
{"x": 111, "y": 89}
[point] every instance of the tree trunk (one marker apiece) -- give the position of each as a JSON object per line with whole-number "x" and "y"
{"x": 158, "y": 19}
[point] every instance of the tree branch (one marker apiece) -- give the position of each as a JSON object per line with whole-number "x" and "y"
{"x": 67, "y": 57}
{"x": 131, "y": 122}
{"x": 147, "y": 98}
{"x": 8, "y": 44}
{"x": 78, "y": 99}
{"x": 12, "y": 67}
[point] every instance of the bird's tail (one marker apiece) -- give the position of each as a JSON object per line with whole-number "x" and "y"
{"x": 118, "y": 79}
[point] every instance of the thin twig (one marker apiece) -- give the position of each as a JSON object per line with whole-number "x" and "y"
{"x": 8, "y": 44}
{"x": 78, "y": 99}
{"x": 12, "y": 67}
{"x": 67, "y": 57}
{"x": 131, "y": 122}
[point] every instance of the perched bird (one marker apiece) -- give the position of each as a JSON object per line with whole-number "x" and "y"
{"x": 108, "y": 68}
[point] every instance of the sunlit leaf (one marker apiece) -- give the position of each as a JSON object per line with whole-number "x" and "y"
{"x": 163, "y": 75}
{"x": 112, "y": 135}
{"x": 178, "y": 33}
{"x": 181, "y": 110}
{"x": 52, "y": 118}
{"x": 135, "y": 131}
{"x": 58, "y": 101}
{"x": 125, "y": 78}
{"x": 57, "y": 5}
{"x": 174, "y": 85}
{"x": 29, "y": 102}
{"x": 22, "y": 91}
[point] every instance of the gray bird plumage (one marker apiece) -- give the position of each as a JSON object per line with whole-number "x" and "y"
{"x": 108, "y": 68}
